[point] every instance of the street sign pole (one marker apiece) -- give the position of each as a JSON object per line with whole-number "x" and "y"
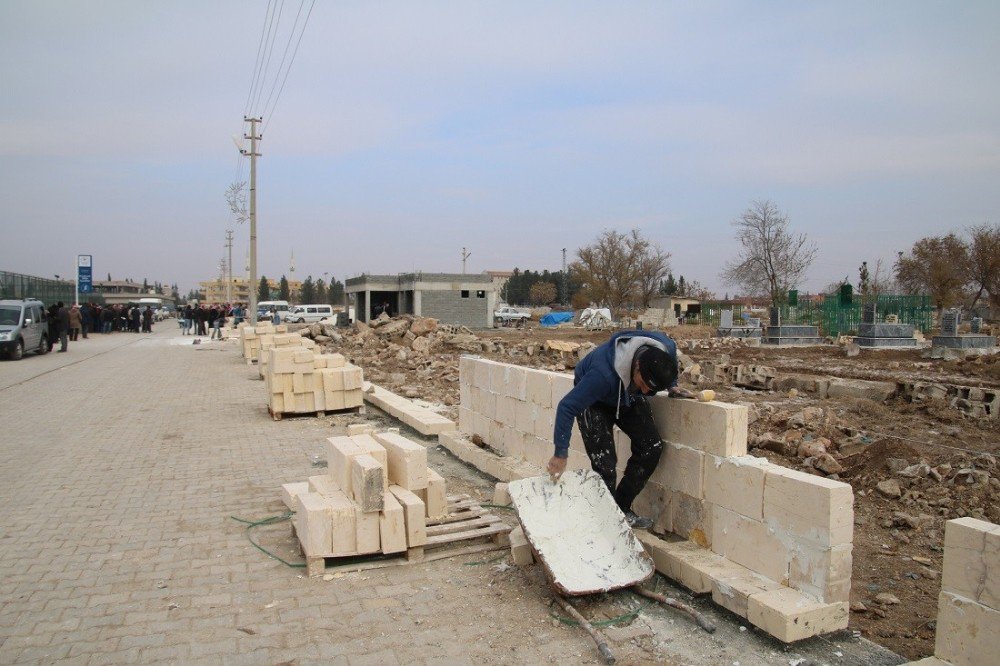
{"x": 84, "y": 275}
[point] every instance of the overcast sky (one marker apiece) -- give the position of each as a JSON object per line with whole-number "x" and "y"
{"x": 408, "y": 130}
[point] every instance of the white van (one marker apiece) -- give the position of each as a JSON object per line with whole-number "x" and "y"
{"x": 264, "y": 309}
{"x": 300, "y": 314}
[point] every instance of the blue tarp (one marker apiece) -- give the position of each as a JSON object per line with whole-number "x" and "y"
{"x": 556, "y": 318}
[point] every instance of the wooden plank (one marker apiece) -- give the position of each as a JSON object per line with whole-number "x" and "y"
{"x": 462, "y": 515}
{"x": 496, "y": 528}
{"x": 459, "y": 526}
{"x": 318, "y": 566}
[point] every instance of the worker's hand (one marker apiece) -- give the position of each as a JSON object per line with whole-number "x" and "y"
{"x": 556, "y": 467}
{"x": 678, "y": 392}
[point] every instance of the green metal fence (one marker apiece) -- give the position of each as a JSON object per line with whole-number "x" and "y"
{"x": 18, "y": 285}
{"x": 832, "y": 317}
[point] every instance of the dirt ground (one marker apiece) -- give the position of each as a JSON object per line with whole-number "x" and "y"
{"x": 934, "y": 462}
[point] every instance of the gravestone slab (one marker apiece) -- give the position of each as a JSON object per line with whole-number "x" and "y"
{"x": 977, "y": 325}
{"x": 950, "y": 319}
{"x": 964, "y": 341}
{"x": 868, "y": 313}
{"x": 885, "y": 330}
{"x": 727, "y": 319}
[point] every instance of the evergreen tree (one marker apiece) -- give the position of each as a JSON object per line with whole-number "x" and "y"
{"x": 320, "y": 291}
{"x": 335, "y": 292}
{"x": 308, "y": 293}
{"x": 283, "y": 292}
{"x": 681, "y": 287}
{"x": 263, "y": 290}
{"x": 668, "y": 287}
{"x": 145, "y": 285}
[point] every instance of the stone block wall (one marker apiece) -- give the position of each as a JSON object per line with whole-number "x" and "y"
{"x": 771, "y": 544}
{"x": 968, "y": 624}
{"x": 450, "y": 308}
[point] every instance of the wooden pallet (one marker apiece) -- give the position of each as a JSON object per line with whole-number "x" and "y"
{"x": 468, "y": 528}
{"x": 277, "y": 416}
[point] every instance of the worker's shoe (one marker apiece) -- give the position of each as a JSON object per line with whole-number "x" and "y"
{"x": 637, "y": 522}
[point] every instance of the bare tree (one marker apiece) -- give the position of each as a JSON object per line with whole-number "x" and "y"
{"x": 984, "y": 261}
{"x": 237, "y": 199}
{"x": 938, "y": 265}
{"x": 772, "y": 260}
{"x": 620, "y": 270}
{"x": 541, "y": 293}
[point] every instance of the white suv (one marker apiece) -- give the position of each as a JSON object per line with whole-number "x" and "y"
{"x": 300, "y": 314}
{"x": 23, "y": 327}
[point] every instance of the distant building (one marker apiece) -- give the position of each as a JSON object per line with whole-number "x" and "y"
{"x": 126, "y": 291}
{"x": 215, "y": 290}
{"x": 451, "y": 298}
{"x": 680, "y": 305}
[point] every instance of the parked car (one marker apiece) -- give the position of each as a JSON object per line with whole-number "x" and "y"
{"x": 264, "y": 309}
{"x": 23, "y": 328}
{"x": 509, "y": 316}
{"x": 300, "y": 314}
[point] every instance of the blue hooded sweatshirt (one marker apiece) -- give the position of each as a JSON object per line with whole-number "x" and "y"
{"x": 596, "y": 379}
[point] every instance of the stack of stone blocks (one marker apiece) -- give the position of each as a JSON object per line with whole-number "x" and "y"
{"x": 770, "y": 544}
{"x": 376, "y": 497}
{"x": 280, "y": 340}
{"x": 301, "y": 381}
{"x": 255, "y": 338}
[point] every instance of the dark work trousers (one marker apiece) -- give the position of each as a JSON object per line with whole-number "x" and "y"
{"x": 636, "y": 421}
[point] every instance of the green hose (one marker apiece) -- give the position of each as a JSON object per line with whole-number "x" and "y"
{"x": 270, "y": 520}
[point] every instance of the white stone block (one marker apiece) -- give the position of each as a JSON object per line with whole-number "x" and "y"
{"x": 749, "y": 543}
{"x": 736, "y": 484}
{"x": 824, "y": 573}
{"x": 717, "y": 428}
{"x": 790, "y": 615}
{"x": 562, "y": 383}
{"x": 392, "y": 525}
{"x": 539, "y": 388}
{"x": 681, "y": 469}
{"x": 808, "y": 507}
{"x": 972, "y": 561}
{"x": 407, "y": 460}
{"x": 968, "y": 633}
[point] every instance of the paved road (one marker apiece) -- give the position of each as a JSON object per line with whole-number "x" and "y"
{"x": 121, "y": 462}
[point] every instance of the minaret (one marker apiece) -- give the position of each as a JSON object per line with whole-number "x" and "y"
{"x": 291, "y": 267}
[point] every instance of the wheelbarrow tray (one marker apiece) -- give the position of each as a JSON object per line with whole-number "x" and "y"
{"x": 579, "y": 534}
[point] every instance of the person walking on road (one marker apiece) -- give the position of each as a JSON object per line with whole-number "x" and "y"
{"x": 147, "y": 320}
{"x": 610, "y": 388}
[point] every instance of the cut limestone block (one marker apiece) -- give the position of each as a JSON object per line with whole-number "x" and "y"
{"x": 520, "y": 549}
{"x": 750, "y": 543}
{"x": 339, "y": 453}
{"x": 717, "y": 428}
{"x": 500, "y": 495}
{"x": 790, "y": 615}
{"x": 368, "y": 445}
{"x": 562, "y": 383}
{"x": 367, "y": 482}
{"x": 368, "y": 531}
{"x": 682, "y": 469}
{"x": 434, "y": 496}
{"x": 407, "y": 460}
{"x": 811, "y": 508}
{"x": 416, "y": 521}
{"x": 502, "y": 469}
{"x": 423, "y": 420}
{"x": 689, "y": 517}
{"x": 734, "y": 591}
{"x": 824, "y": 573}
{"x": 343, "y": 524}
{"x": 392, "y": 525}
{"x": 315, "y": 523}
{"x": 972, "y": 561}
{"x": 323, "y": 485}
{"x": 539, "y": 388}
{"x": 685, "y": 562}
{"x": 968, "y": 633}
{"x": 290, "y": 491}
{"x": 359, "y": 429}
{"x": 736, "y": 484}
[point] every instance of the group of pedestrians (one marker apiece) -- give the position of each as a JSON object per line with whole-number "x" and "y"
{"x": 197, "y": 319}
{"x": 70, "y": 323}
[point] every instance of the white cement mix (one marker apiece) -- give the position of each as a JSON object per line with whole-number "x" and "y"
{"x": 579, "y": 533}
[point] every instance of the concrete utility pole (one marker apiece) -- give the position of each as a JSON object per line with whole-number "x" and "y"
{"x": 563, "y": 285}
{"x": 465, "y": 255}
{"x": 229, "y": 281}
{"x": 253, "y": 154}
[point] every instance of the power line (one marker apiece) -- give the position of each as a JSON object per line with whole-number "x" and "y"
{"x": 290, "y": 63}
{"x": 257, "y": 61}
{"x": 291, "y": 35}
{"x": 267, "y": 63}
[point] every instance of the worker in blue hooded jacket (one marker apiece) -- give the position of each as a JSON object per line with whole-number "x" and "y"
{"x": 610, "y": 388}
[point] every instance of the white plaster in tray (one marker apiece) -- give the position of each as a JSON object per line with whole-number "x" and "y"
{"x": 579, "y": 533}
